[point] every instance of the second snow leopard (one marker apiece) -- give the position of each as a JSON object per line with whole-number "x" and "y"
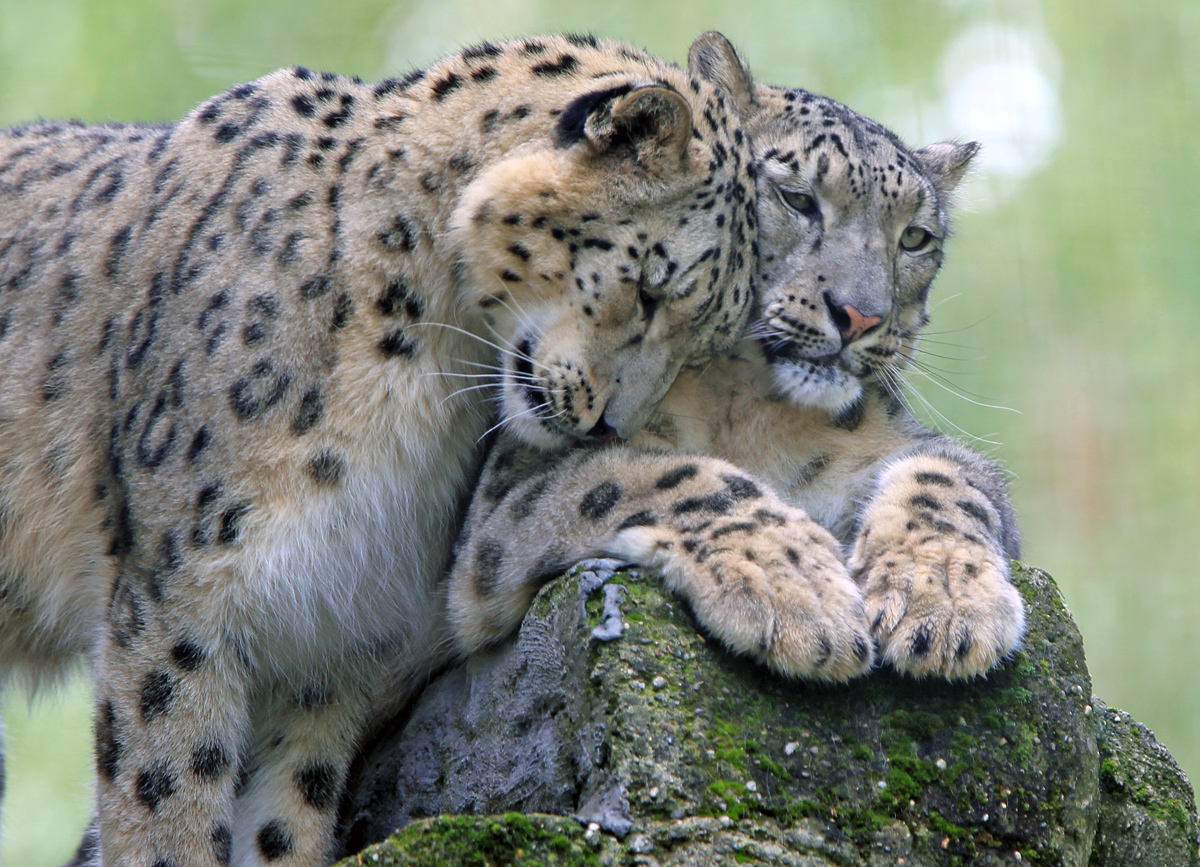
{"x": 851, "y": 226}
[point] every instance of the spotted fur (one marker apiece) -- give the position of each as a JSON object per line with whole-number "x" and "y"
{"x": 851, "y": 227}
{"x": 233, "y": 428}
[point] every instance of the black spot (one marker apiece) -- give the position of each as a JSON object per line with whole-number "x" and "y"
{"x": 308, "y": 413}
{"x": 55, "y": 383}
{"x": 199, "y": 442}
{"x": 154, "y": 785}
{"x": 314, "y": 287}
{"x": 741, "y": 488}
{"x": 125, "y": 613}
{"x": 826, "y": 649}
{"x": 920, "y": 643}
{"x": 676, "y": 477}
{"x": 483, "y": 49}
{"x": 108, "y": 742}
{"x": 258, "y": 391}
{"x": 717, "y": 504}
{"x": 938, "y": 479}
{"x": 312, "y": 696}
{"x": 861, "y": 650}
{"x": 326, "y": 468}
{"x": 169, "y": 558}
{"x": 488, "y": 558}
{"x": 397, "y": 297}
{"x": 447, "y": 85}
{"x": 734, "y": 527}
{"x": 483, "y": 74}
{"x": 522, "y": 507}
{"x": 156, "y": 695}
{"x": 964, "y": 647}
{"x": 304, "y": 105}
{"x": 274, "y": 841}
{"x": 548, "y": 566}
{"x": 852, "y": 416}
{"x": 231, "y": 521}
{"x": 565, "y": 64}
{"x": 399, "y": 236}
{"x": 976, "y": 511}
{"x": 924, "y": 501}
{"x": 188, "y": 655}
{"x": 644, "y": 518}
{"x": 262, "y": 311}
{"x": 600, "y": 500}
{"x": 151, "y": 453}
{"x": 226, "y": 132}
{"x": 222, "y": 843}
{"x": 319, "y": 785}
{"x": 343, "y": 309}
{"x": 766, "y": 517}
{"x": 209, "y": 761}
{"x": 809, "y": 472}
{"x": 394, "y": 344}
{"x": 519, "y": 250}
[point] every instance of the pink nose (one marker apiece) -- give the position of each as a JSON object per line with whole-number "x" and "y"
{"x": 858, "y": 324}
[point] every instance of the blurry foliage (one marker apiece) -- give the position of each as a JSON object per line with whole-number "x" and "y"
{"x": 1070, "y": 293}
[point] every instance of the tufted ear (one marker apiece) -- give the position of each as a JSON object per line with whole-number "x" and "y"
{"x": 946, "y": 162}
{"x": 713, "y": 58}
{"x": 652, "y": 123}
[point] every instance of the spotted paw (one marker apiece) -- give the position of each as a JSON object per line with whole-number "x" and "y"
{"x": 938, "y": 604}
{"x": 772, "y": 587}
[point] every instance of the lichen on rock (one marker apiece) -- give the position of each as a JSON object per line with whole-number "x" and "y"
{"x": 667, "y": 750}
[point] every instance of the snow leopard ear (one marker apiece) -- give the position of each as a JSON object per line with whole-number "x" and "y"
{"x": 946, "y": 162}
{"x": 713, "y": 58}
{"x": 652, "y": 122}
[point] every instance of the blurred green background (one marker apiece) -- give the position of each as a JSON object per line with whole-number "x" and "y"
{"x": 1071, "y": 296}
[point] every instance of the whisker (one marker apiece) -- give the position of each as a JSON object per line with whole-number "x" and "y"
{"x": 934, "y": 412}
{"x": 464, "y": 390}
{"x": 924, "y": 351}
{"x": 503, "y": 350}
{"x": 935, "y": 380}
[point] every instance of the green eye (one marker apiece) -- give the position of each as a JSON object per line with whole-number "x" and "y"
{"x": 801, "y": 203}
{"x": 915, "y": 238}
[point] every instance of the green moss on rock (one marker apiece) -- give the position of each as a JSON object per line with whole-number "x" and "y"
{"x": 688, "y": 753}
{"x": 511, "y": 840}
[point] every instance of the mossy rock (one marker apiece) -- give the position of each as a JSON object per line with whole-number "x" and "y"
{"x": 681, "y": 753}
{"x": 512, "y": 840}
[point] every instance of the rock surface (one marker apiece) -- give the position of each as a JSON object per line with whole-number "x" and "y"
{"x": 666, "y": 750}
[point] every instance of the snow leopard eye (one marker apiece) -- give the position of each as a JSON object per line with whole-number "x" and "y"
{"x": 915, "y": 238}
{"x": 801, "y": 203}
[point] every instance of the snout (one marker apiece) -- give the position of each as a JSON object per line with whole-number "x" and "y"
{"x": 636, "y": 392}
{"x": 850, "y": 322}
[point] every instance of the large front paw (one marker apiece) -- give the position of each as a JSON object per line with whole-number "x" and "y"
{"x": 769, "y": 584}
{"x": 938, "y": 604}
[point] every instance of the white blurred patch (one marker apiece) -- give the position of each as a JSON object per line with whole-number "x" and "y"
{"x": 1000, "y": 86}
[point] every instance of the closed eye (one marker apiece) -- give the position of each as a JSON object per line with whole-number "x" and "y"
{"x": 649, "y": 303}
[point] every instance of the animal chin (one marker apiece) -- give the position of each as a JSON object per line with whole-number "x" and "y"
{"x": 536, "y": 432}
{"x": 824, "y": 386}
